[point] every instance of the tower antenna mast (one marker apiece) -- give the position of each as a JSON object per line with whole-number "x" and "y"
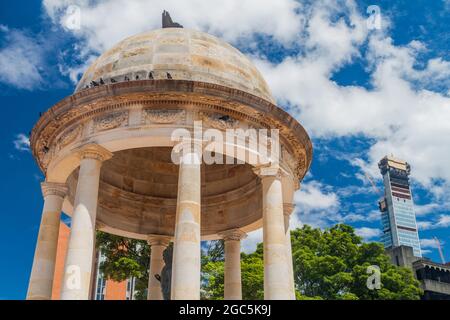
{"x": 440, "y": 250}
{"x": 373, "y": 184}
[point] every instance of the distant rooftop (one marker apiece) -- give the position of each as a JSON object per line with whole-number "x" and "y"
{"x": 390, "y": 161}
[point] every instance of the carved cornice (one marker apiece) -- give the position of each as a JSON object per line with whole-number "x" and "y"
{"x": 206, "y": 97}
{"x": 233, "y": 234}
{"x": 157, "y": 240}
{"x": 99, "y": 225}
{"x": 162, "y": 116}
{"x": 94, "y": 151}
{"x": 218, "y": 121}
{"x": 69, "y": 136}
{"x": 288, "y": 208}
{"x": 269, "y": 171}
{"x": 54, "y": 189}
{"x": 111, "y": 121}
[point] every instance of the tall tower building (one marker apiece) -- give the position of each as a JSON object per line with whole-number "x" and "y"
{"x": 397, "y": 207}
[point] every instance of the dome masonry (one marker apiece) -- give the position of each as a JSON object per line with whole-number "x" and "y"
{"x": 181, "y": 54}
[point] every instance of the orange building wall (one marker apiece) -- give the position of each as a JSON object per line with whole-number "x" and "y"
{"x": 63, "y": 240}
{"x": 114, "y": 290}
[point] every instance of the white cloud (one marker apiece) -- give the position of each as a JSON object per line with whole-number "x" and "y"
{"x": 429, "y": 243}
{"x": 313, "y": 196}
{"x": 354, "y": 217}
{"x": 22, "y": 142}
{"x": 315, "y": 204}
{"x": 422, "y": 210}
{"x": 411, "y": 124}
{"x": 368, "y": 233}
{"x": 443, "y": 221}
{"x": 21, "y": 59}
{"x": 424, "y": 225}
{"x": 105, "y": 23}
{"x": 248, "y": 245}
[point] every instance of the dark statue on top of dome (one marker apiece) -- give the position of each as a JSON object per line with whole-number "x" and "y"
{"x": 167, "y": 21}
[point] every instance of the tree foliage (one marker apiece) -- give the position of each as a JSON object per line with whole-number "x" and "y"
{"x": 328, "y": 264}
{"x": 125, "y": 258}
{"x": 332, "y": 264}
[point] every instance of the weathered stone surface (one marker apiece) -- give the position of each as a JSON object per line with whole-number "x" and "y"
{"x": 185, "y": 54}
{"x": 41, "y": 278}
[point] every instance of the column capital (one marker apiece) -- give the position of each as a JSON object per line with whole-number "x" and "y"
{"x": 94, "y": 151}
{"x": 269, "y": 171}
{"x": 54, "y": 189}
{"x": 99, "y": 225}
{"x": 153, "y": 240}
{"x": 288, "y": 208}
{"x": 233, "y": 234}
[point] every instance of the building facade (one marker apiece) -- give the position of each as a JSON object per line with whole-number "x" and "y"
{"x": 397, "y": 208}
{"x": 434, "y": 277}
{"x": 400, "y": 234}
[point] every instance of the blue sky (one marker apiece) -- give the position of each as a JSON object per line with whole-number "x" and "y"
{"x": 360, "y": 94}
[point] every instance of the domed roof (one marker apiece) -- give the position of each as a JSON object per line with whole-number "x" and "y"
{"x": 184, "y": 54}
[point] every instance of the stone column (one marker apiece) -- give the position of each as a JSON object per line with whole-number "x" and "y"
{"x": 288, "y": 208}
{"x": 80, "y": 252}
{"x": 277, "y": 284}
{"x": 157, "y": 244}
{"x": 186, "y": 250}
{"x": 289, "y": 185}
{"x": 42, "y": 272}
{"x": 233, "y": 282}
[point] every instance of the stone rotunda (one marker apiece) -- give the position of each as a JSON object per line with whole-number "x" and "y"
{"x": 106, "y": 155}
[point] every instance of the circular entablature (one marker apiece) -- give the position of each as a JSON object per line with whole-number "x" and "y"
{"x": 138, "y": 195}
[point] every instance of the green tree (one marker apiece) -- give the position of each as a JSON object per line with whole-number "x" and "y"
{"x": 212, "y": 274}
{"x": 125, "y": 258}
{"x": 328, "y": 264}
{"x": 252, "y": 273}
{"x": 332, "y": 264}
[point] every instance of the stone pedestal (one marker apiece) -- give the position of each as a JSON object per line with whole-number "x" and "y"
{"x": 232, "y": 281}
{"x": 41, "y": 279}
{"x": 80, "y": 253}
{"x": 186, "y": 251}
{"x": 157, "y": 244}
{"x": 277, "y": 284}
